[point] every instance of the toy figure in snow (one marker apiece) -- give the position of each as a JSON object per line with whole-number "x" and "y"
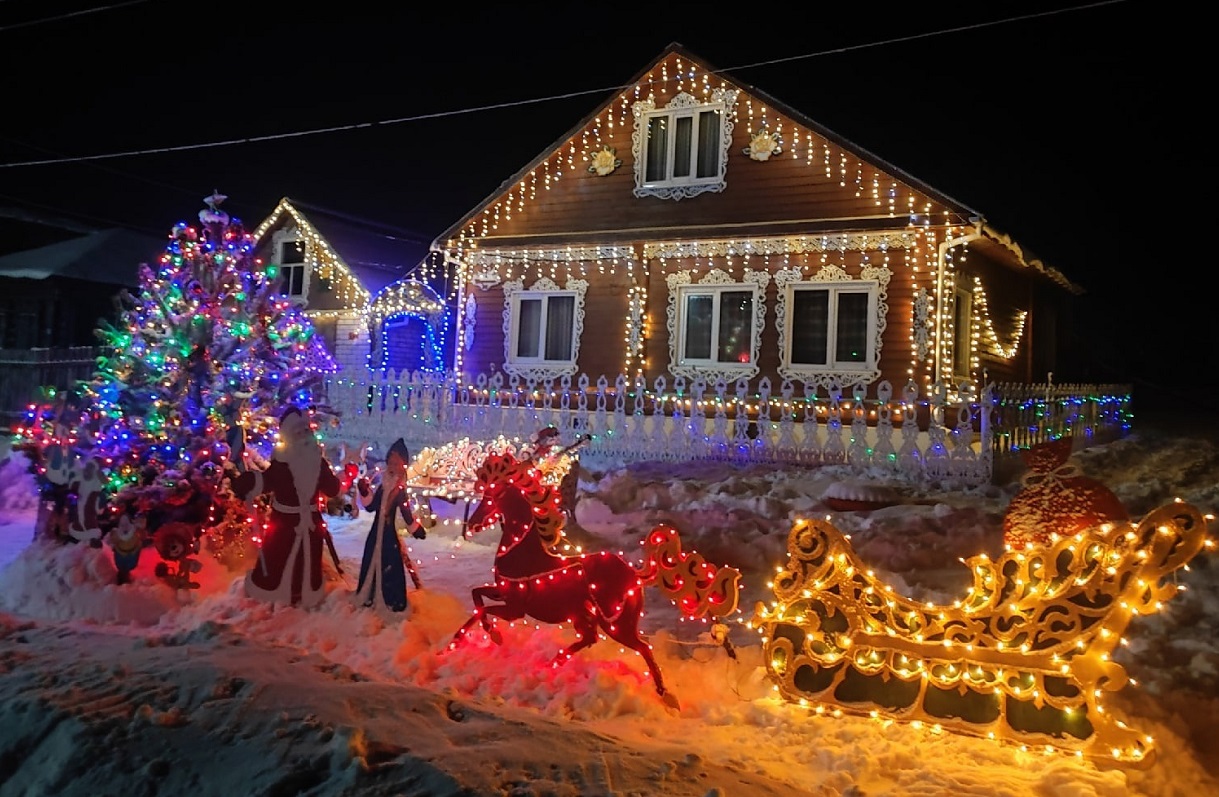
{"x": 177, "y": 543}
{"x": 385, "y": 564}
{"x": 126, "y": 542}
{"x": 54, "y": 505}
{"x": 1055, "y": 499}
{"x": 353, "y": 468}
{"x": 298, "y": 478}
{"x": 86, "y": 489}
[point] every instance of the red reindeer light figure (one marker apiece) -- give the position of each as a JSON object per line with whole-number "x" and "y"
{"x": 596, "y": 592}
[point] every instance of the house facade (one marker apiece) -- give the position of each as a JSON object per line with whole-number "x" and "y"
{"x": 694, "y": 227}
{"x": 369, "y": 290}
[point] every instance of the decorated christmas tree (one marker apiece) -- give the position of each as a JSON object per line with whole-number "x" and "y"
{"x": 205, "y": 356}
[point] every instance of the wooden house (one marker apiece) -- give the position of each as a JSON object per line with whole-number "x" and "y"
{"x": 693, "y": 226}
{"x": 370, "y": 290}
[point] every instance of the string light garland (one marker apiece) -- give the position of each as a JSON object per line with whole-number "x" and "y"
{"x": 402, "y": 302}
{"x": 1025, "y": 657}
{"x": 321, "y": 260}
{"x": 597, "y": 593}
{"x": 205, "y": 356}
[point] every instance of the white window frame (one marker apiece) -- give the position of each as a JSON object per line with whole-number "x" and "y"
{"x": 874, "y": 281}
{"x": 279, "y": 241}
{"x": 681, "y": 285}
{"x": 966, "y": 335}
{"x": 539, "y": 367}
{"x": 684, "y": 105}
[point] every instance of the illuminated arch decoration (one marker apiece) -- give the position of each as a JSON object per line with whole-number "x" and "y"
{"x": 1023, "y": 658}
{"x": 402, "y": 302}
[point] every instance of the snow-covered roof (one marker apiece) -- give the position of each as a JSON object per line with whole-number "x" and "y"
{"x": 110, "y": 256}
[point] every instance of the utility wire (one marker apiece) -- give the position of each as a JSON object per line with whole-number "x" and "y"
{"x": 534, "y": 101}
{"x": 69, "y": 15}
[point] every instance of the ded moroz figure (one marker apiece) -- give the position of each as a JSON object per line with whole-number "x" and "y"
{"x": 298, "y": 479}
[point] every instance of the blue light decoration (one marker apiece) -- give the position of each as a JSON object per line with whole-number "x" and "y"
{"x": 410, "y": 305}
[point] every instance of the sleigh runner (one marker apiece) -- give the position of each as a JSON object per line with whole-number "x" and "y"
{"x": 1024, "y": 656}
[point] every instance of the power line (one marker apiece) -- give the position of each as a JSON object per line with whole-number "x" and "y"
{"x": 69, "y": 15}
{"x": 536, "y": 100}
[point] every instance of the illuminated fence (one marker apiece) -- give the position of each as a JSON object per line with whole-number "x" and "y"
{"x": 942, "y": 435}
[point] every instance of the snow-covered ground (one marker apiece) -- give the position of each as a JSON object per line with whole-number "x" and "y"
{"x": 136, "y": 689}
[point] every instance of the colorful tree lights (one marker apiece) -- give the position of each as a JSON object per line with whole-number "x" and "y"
{"x": 205, "y": 356}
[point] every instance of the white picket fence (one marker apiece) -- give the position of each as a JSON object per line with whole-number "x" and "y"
{"x": 947, "y": 435}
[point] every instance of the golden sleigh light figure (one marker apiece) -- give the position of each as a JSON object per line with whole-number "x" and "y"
{"x": 1024, "y": 657}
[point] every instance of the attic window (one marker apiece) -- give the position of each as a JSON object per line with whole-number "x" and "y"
{"x": 292, "y": 266}
{"x": 681, "y": 150}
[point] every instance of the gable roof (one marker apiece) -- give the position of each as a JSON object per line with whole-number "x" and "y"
{"x": 373, "y": 253}
{"x": 959, "y": 208}
{"x": 965, "y": 215}
{"x": 377, "y": 253}
{"x": 110, "y": 257}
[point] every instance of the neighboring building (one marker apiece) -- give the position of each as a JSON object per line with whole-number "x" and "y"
{"x": 694, "y": 226}
{"x": 52, "y": 298}
{"x": 373, "y": 292}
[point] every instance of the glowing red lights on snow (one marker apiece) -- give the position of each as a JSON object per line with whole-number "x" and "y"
{"x": 597, "y": 593}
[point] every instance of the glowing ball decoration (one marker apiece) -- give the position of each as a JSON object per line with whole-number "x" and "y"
{"x": 1023, "y": 657}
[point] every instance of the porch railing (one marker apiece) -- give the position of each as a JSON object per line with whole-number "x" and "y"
{"x": 954, "y": 433}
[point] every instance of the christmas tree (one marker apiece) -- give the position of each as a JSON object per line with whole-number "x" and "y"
{"x": 204, "y": 358}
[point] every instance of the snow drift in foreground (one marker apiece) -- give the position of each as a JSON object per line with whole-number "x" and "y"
{"x": 136, "y": 689}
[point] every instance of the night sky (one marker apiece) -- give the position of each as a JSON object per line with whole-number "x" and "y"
{"x": 1047, "y": 118}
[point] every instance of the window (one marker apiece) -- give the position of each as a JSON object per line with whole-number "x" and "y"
{"x": 681, "y": 150}
{"x": 542, "y": 328}
{"x": 292, "y": 267}
{"x": 962, "y": 325}
{"x": 715, "y": 324}
{"x": 682, "y": 147}
{"x": 830, "y": 327}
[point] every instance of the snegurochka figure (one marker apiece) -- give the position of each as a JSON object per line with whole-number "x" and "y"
{"x": 385, "y": 565}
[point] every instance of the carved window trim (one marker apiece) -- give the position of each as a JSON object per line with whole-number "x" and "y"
{"x": 922, "y": 325}
{"x": 680, "y": 283}
{"x": 875, "y": 279}
{"x": 471, "y": 321}
{"x": 531, "y": 368}
{"x": 682, "y": 105}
